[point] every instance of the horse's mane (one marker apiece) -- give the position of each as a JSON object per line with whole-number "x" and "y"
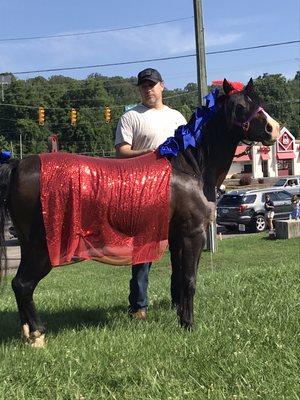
{"x": 194, "y": 157}
{"x": 220, "y": 126}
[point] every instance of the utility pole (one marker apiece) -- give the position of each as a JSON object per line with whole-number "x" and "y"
{"x": 200, "y": 51}
{"x": 21, "y": 147}
{"x": 4, "y": 80}
{"x": 211, "y": 243}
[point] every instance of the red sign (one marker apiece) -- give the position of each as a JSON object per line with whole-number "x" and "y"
{"x": 285, "y": 142}
{"x": 264, "y": 149}
{"x": 264, "y": 152}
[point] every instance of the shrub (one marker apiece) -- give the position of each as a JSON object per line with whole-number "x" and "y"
{"x": 234, "y": 176}
{"x": 260, "y": 180}
{"x": 245, "y": 180}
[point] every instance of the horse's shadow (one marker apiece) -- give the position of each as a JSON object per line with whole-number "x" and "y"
{"x": 75, "y": 318}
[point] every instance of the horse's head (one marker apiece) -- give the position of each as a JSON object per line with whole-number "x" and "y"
{"x": 245, "y": 115}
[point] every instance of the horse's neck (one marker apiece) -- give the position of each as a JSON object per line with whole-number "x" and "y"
{"x": 219, "y": 149}
{"x": 211, "y": 161}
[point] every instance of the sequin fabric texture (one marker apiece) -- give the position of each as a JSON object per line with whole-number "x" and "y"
{"x": 112, "y": 210}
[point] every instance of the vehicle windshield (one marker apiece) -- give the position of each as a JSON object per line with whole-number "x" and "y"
{"x": 231, "y": 200}
{"x": 236, "y": 200}
{"x": 280, "y": 182}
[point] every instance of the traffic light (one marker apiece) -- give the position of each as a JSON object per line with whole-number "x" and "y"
{"x": 107, "y": 114}
{"x": 73, "y": 117}
{"x": 41, "y": 116}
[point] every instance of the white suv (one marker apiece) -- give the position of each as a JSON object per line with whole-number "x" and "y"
{"x": 289, "y": 183}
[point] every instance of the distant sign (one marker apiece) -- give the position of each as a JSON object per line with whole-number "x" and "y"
{"x": 5, "y": 79}
{"x": 129, "y": 107}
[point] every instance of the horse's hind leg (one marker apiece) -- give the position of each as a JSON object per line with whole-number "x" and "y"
{"x": 192, "y": 239}
{"x": 34, "y": 266}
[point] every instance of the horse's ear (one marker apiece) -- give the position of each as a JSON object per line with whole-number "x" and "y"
{"x": 249, "y": 87}
{"x": 227, "y": 87}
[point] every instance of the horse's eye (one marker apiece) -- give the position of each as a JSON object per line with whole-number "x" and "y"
{"x": 240, "y": 111}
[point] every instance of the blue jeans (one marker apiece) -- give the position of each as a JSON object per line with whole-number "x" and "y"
{"x": 138, "y": 287}
{"x": 296, "y": 213}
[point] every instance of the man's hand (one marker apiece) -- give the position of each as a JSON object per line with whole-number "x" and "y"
{"x": 124, "y": 150}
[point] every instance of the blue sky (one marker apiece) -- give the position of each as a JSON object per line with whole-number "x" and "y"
{"x": 228, "y": 24}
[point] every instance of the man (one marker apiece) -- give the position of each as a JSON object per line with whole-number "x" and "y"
{"x": 140, "y": 131}
{"x": 269, "y": 209}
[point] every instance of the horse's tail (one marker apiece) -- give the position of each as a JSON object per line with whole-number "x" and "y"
{"x": 5, "y": 177}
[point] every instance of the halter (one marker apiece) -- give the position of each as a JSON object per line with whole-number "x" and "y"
{"x": 246, "y": 124}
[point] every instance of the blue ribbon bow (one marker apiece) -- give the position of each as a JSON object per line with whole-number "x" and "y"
{"x": 4, "y": 156}
{"x": 191, "y": 133}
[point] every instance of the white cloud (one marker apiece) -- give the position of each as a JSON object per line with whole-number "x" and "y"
{"x": 243, "y": 21}
{"x": 218, "y": 39}
{"x": 110, "y": 47}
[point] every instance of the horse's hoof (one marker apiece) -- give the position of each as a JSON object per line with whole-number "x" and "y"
{"x": 37, "y": 339}
{"x": 25, "y": 332}
{"x": 188, "y": 326}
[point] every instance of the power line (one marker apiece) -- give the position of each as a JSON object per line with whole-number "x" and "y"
{"x": 113, "y": 106}
{"x": 154, "y": 59}
{"x": 94, "y": 32}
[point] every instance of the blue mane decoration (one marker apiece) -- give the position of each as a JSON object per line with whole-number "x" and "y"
{"x": 191, "y": 133}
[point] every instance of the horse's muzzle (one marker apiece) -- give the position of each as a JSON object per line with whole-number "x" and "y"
{"x": 272, "y": 130}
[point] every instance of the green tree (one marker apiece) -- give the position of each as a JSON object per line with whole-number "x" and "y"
{"x": 278, "y": 98}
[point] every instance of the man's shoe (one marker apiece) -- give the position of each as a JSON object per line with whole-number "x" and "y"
{"x": 139, "y": 314}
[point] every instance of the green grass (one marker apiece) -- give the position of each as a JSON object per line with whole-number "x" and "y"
{"x": 245, "y": 344}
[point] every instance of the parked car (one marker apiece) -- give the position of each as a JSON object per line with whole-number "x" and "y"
{"x": 244, "y": 209}
{"x": 289, "y": 183}
{"x": 220, "y": 191}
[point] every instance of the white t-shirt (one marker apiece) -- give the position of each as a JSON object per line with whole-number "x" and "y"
{"x": 147, "y": 128}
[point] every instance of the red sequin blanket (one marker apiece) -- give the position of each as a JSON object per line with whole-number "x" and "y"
{"x": 112, "y": 210}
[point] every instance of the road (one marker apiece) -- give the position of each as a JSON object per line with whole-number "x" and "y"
{"x": 13, "y": 253}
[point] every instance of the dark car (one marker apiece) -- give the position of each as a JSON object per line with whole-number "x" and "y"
{"x": 12, "y": 231}
{"x": 244, "y": 209}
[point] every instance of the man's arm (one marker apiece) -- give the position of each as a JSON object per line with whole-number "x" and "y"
{"x": 124, "y": 150}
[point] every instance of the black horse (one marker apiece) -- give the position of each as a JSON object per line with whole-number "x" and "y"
{"x": 196, "y": 172}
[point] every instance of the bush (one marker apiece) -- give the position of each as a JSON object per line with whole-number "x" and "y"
{"x": 234, "y": 176}
{"x": 245, "y": 180}
{"x": 260, "y": 180}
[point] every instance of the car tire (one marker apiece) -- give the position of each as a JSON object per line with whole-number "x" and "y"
{"x": 258, "y": 224}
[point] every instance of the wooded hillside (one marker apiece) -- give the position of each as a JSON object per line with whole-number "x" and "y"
{"x": 91, "y": 134}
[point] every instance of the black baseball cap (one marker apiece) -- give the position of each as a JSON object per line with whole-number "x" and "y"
{"x": 149, "y": 74}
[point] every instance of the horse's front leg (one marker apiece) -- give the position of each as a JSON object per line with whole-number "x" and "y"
{"x": 175, "y": 247}
{"x": 192, "y": 245}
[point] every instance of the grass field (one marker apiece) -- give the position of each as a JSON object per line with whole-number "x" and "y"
{"x": 245, "y": 345}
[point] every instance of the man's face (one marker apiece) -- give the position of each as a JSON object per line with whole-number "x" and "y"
{"x": 151, "y": 93}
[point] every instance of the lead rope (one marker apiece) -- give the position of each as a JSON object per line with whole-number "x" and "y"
{"x": 246, "y": 151}
{"x": 211, "y": 261}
